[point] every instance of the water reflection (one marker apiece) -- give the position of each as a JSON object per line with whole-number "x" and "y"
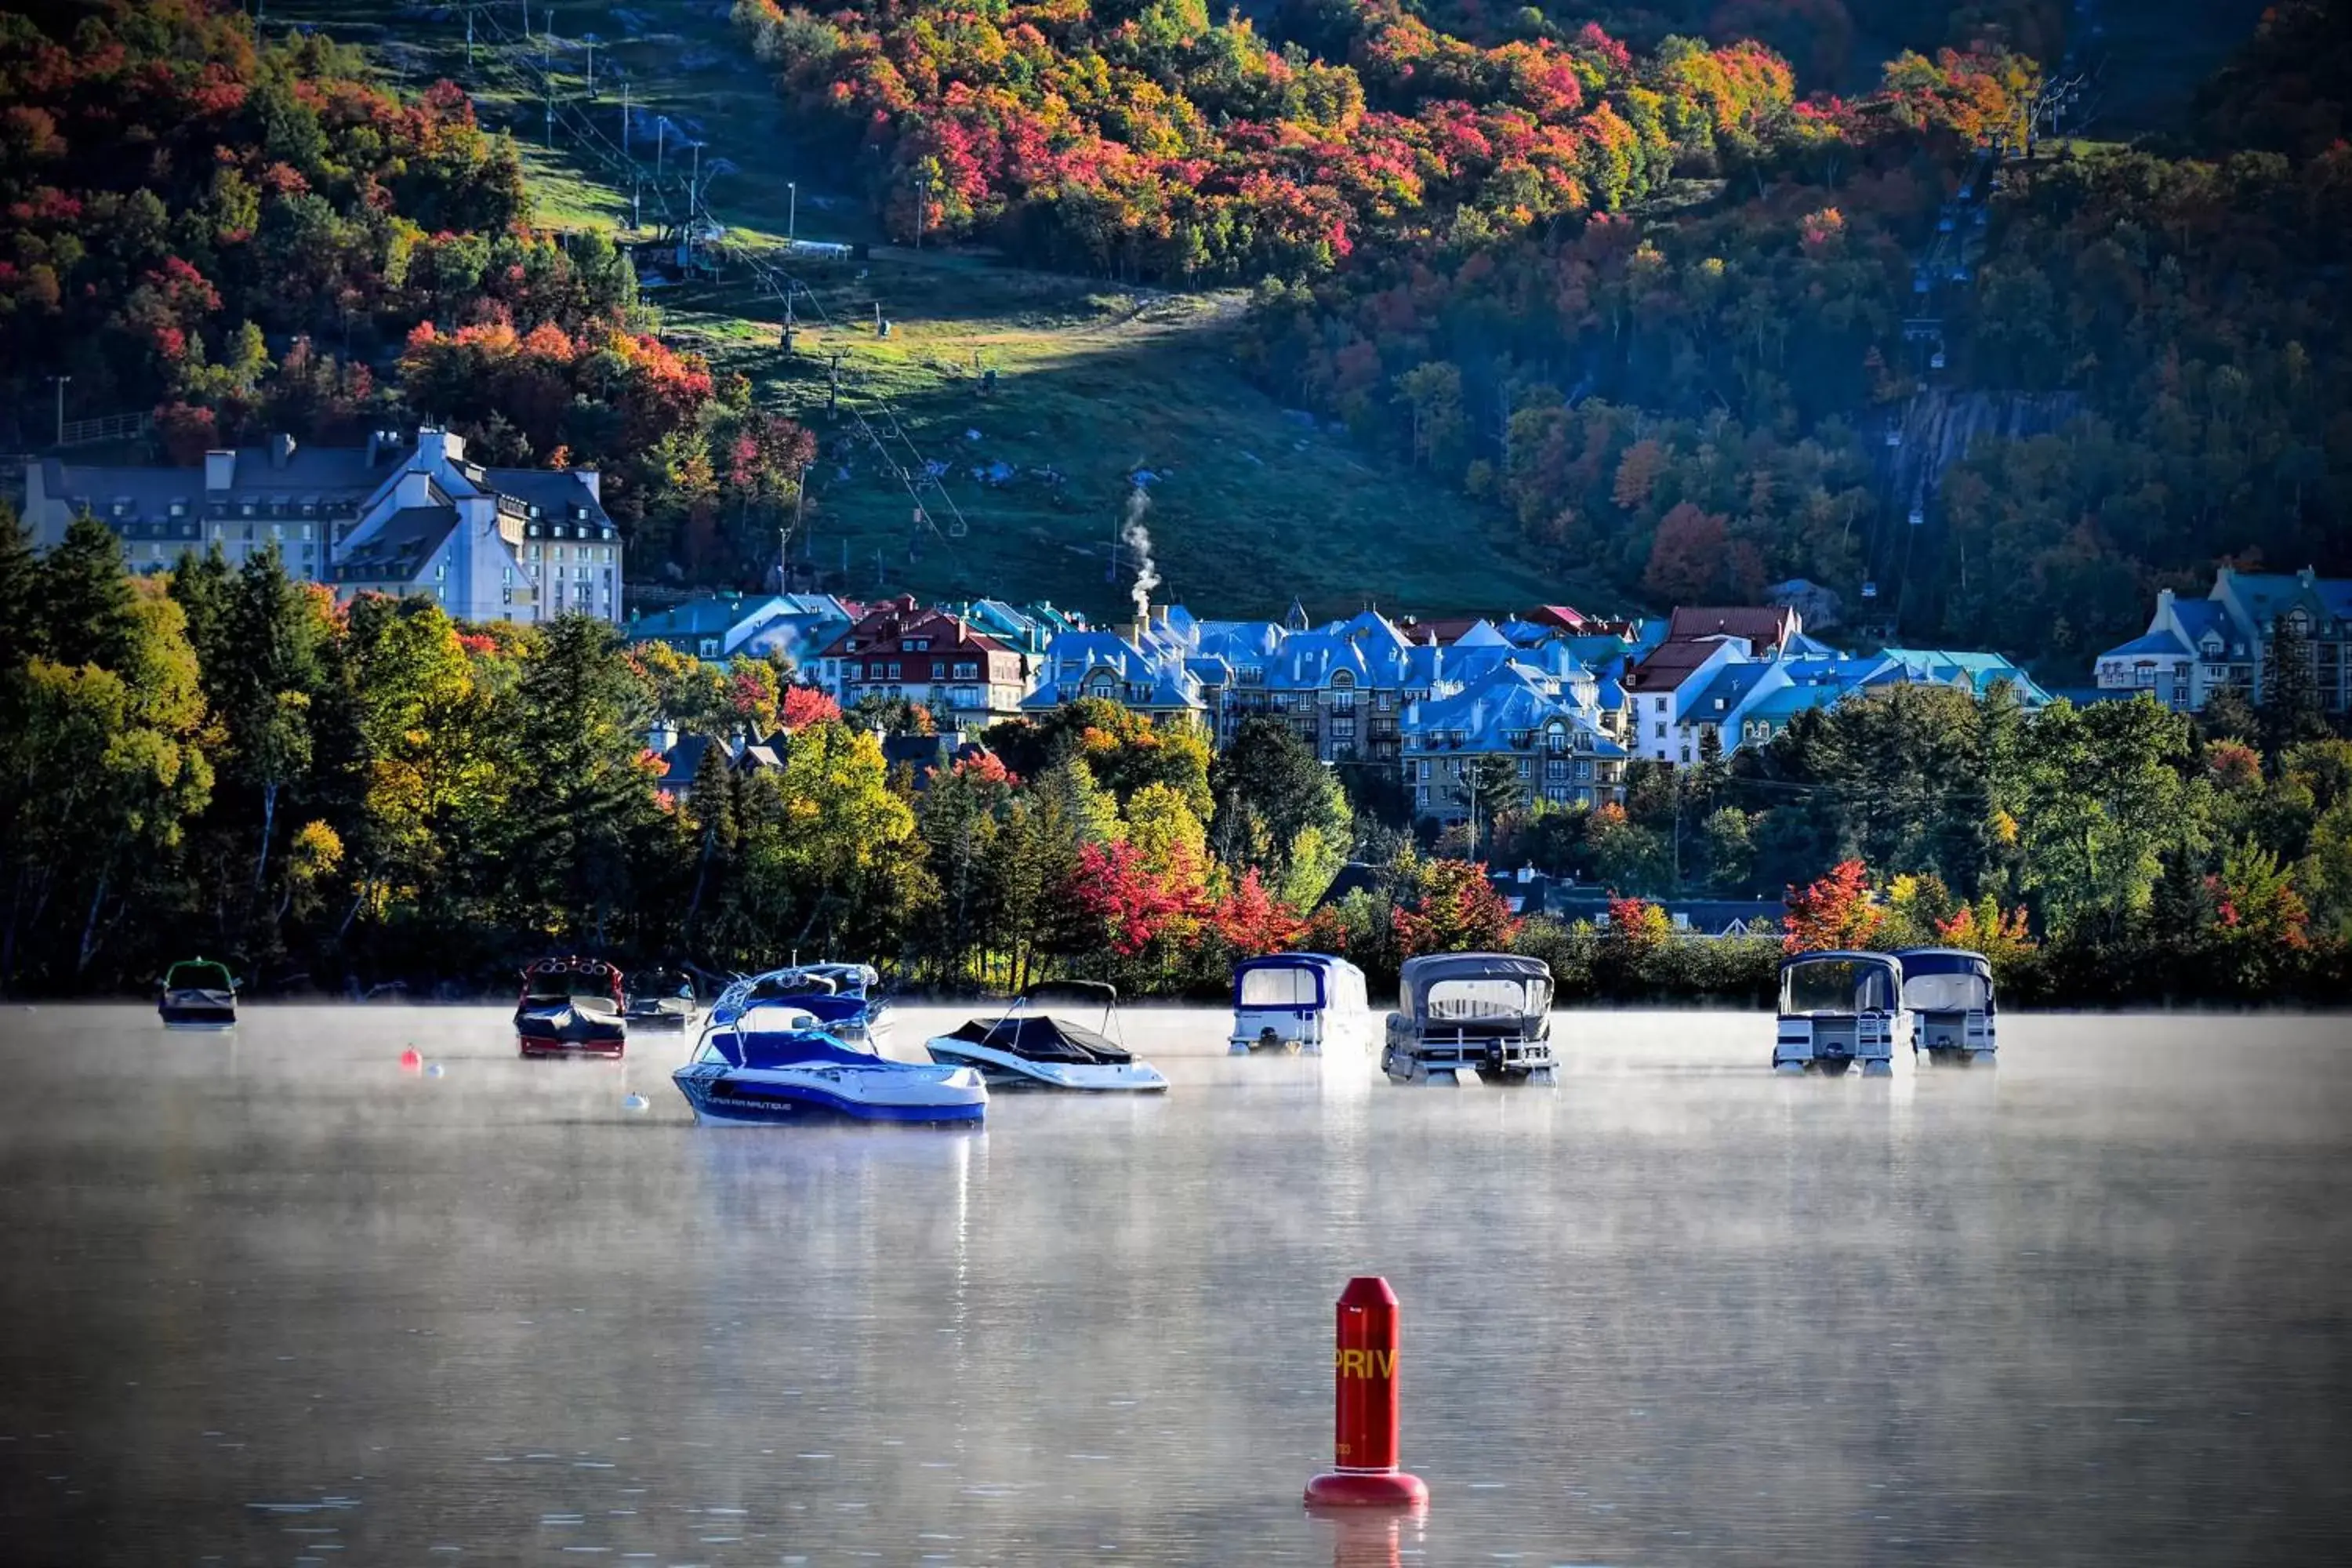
{"x": 268, "y": 1296}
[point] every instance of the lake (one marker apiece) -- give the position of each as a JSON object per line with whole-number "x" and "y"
{"x": 269, "y": 1299}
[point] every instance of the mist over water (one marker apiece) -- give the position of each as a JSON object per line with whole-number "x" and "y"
{"x": 268, "y": 1299}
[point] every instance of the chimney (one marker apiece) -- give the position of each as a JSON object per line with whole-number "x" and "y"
{"x": 220, "y": 470}
{"x": 281, "y": 451}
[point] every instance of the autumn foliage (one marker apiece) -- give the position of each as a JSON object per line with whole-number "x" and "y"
{"x": 1832, "y": 912}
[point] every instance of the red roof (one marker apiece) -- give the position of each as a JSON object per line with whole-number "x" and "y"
{"x": 1763, "y": 627}
{"x": 1668, "y": 666}
{"x": 885, "y": 628}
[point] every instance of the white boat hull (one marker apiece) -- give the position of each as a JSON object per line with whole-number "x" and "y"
{"x": 1003, "y": 1069}
{"x": 724, "y": 1096}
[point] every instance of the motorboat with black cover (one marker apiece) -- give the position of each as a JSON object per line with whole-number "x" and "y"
{"x": 198, "y": 994}
{"x": 1948, "y": 993}
{"x": 570, "y": 1007}
{"x": 1486, "y": 1014}
{"x": 1838, "y": 1009}
{"x": 774, "y": 1064}
{"x": 660, "y": 999}
{"x": 1029, "y": 1049}
{"x": 846, "y": 998}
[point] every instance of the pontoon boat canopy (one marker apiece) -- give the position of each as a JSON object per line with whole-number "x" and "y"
{"x": 1946, "y": 980}
{"x": 1530, "y": 978}
{"x": 1839, "y": 981}
{"x": 1286, "y": 980}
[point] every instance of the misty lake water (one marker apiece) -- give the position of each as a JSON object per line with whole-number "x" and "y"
{"x": 270, "y": 1301}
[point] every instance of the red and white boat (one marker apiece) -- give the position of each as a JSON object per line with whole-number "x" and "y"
{"x": 570, "y": 1007}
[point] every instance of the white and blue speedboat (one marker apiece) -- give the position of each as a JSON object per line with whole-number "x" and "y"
{"x": 774, "y": 1064}
{"x": 1027, "y": 1049}
{"x": 846, "y": 998}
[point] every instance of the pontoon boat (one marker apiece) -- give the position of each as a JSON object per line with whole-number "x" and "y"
{"x": 660, "y": 999}
{"x": 1947, "y": 991}
{"x": 1486, "y": 1014}
{"x": 570, "y": 1007}
{"x": 1300, "y": 1003}
{"x": 774, "y": 1064}
{"x": 198, "y": 994}
{"x": 1026, "y": 1050}
{"x": 1837, "y": 1009}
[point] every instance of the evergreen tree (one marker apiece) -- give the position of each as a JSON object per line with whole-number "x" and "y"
{"x": 578, "y": 790}
{"x": 200, "y": 585}
{"x": 83, "y": 604}
{"x": 20, "y": 579}
{"x": 2289, "y": 710}
{"x": 1269, "y": 790}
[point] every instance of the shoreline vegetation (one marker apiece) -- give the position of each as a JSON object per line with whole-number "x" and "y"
{"x": 362, "y": 792}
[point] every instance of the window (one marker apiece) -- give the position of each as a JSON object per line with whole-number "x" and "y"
{"x": 918, "y": 644}
{"x": 894, "y": 669}
{"x": 1382, "y": 700}
{"x": 1343, "y": 729}
{"x": 967, "y": 669}
{"x": 854, "y": 671}
{"x": 1424, "y": 771}
{"x": 1686, "y": 753}
{"x": 1523, "y": 767}
{"x": 939, "y": 669}
{"x": 1661, "y": 731}
{"x": 710, "y": 647}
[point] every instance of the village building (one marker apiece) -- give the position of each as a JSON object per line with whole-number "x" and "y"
{"x": 927, "y": 656}
{"x": 2195, "y": 648}
{"x": 394, "y": 516}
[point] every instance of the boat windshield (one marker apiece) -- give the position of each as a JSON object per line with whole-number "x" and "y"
{"x": 1836, "y": 985}
{"x": 564, "y": 984}
{"x": 1947, "y": 993}
{"x": 1485, "y": 997}
{"x": 199, "y": 975}
{"x": 1281, "y": 986}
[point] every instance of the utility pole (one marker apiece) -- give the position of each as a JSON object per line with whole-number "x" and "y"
{"x": 469, "y": 35}
{"x": 624, "y": 117}
{"x": 591, "y": 47}
{"x": 661, "y": 143}
{"x": 694, "y": 186}
{"x": 59, "y": 381}
{"x": 922, "y": 211}
{"x": 791, "y": 213}
{"x": 636, "y": 203}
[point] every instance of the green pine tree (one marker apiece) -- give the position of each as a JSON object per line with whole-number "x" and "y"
{"x": 82, "y": 609}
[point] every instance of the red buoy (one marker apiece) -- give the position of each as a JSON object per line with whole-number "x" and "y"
{"x": 411, "y": 1060}
{"x": 1364, "y": 1472}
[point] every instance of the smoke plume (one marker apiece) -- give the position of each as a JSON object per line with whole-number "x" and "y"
{"x": 1138, "y": 538}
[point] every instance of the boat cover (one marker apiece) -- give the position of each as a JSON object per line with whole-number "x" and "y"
{"x": 1423, "y": 975}
{"x": 1037, "y": 1039}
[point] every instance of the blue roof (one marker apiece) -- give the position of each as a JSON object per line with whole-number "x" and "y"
{"x": 1506, "y": 700}
{"x": 1729, "y": 688}
{"x": 706, "y": 617}
{"x": 2164, "y": 642}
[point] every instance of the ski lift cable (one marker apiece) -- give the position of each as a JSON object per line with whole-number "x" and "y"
{"x": 610, "y": 153}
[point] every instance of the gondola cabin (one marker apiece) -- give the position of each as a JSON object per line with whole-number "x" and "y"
{"x": 198, "y": 994}
{"x": 1299, "y": 1003}
{"x": 1948, "y": 993}
{"x": 1838, "y": 1009}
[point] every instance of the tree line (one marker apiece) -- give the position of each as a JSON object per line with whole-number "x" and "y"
{"x": 337, "y": 795}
